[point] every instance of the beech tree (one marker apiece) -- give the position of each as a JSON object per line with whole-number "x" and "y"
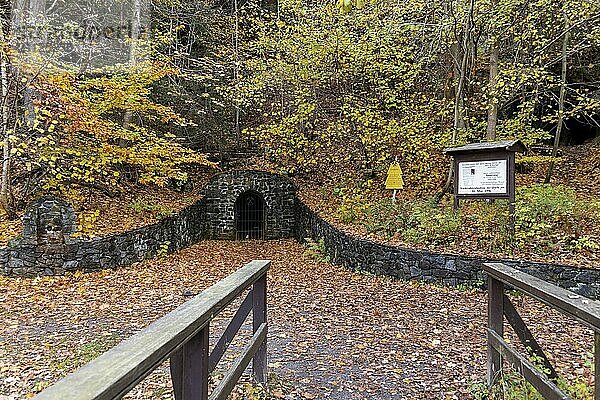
{"x": 382, "y": 79}
{"x": 350, "y": 84}
{"x": 75, "y": 133}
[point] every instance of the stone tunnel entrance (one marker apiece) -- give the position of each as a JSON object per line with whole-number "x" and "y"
{"x": 249, "y": 205}
{"x": 250, "y": 216}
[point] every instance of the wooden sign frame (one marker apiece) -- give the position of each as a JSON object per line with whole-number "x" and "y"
{"x": 491, "y": 156}
{"x": 490, "y": 151}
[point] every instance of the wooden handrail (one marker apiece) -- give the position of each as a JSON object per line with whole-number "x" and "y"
{"x": 579, "y": 307}
{"x": 586, "y": 311}
{"x": 117, "y": 371}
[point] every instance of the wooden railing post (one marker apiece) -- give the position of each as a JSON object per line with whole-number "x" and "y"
{"x": 189, "y": 368}
{"x": 259, "y": 317}
{"x": 181, "y": 336}
{"x": 495, "y": 324}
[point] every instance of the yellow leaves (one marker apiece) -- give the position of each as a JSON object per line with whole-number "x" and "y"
{"x": 86, "y": 222}
{"x": 80, "y": 140}
{"x": 345, "y": 5}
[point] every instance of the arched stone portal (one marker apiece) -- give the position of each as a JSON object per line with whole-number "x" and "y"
{"x": 250, "y": 216}
{"x": 249, "y": 204}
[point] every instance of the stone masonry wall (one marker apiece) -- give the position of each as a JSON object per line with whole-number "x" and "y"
{"x": 26, "y": 258}
{"x": 278, "y": 192}
{"x": 47, "y": 247}
{"x": 366, "y": 255}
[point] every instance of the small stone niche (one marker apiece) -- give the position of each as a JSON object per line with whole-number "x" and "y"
{"x": 48, "y": 221}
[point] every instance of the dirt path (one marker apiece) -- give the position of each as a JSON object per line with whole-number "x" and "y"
{"x": 334, "y": 334}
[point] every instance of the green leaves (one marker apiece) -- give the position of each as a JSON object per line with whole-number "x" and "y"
{"x": 343, "y": 88}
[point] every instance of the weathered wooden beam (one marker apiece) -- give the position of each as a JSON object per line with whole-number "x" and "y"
{"x": 538, "y": 380}
{"x": 496, "y": 325}
{"x": 233, "y": 375}
{"x": 596, "y": 366}
{"x": 527, "y": 339}
{"x": 259, "y": 319}
{"x": 118, "y": 370}
{"x": 189, "y": 368}
{"x": 232, "y": 329}
{"x": 585, "y": 310}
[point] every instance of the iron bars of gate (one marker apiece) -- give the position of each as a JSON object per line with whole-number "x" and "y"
{"x": 249, "y": 214}
{"x": 182, "y": 336}
{"x": 544, "y": 379}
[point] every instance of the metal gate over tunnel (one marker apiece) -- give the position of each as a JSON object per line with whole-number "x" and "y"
{"x": 250, "y": 216}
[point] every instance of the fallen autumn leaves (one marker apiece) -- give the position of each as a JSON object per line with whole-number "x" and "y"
{"x": 334, "y": 334}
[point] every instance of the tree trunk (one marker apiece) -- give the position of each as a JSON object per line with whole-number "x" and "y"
{"x": 136, "y": 22}
{"x": 5, "y": 179}
{"x": 461, "y": 71}
{"x": 35, "y": 17}
{"x": 236, "y": 72}
{"x": 492, "y": 119}
{"x": 561, "y": 100}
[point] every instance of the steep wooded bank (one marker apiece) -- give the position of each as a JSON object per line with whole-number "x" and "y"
{"x": 355, "y": 84}
{"x": 314, "y": 87}
{"x": 327, "y": 93}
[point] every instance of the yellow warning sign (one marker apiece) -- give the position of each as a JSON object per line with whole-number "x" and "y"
{"x": 394, "y": 177}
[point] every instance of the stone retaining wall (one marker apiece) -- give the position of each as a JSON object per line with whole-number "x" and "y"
{"x": 365, "y": 255}
{"x": 171, "y": 234}
{"x": 48, "y": 248}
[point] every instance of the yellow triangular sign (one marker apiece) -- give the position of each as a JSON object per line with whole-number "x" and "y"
{"x": 394, "y": 177}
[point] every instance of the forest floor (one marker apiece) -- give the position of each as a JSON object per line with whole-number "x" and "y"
{"x": 333, "y": 334}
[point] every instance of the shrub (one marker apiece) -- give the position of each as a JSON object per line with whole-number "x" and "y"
{"x": 159, "y": 211}
{"x": 352, "y": 204}
{"x": 540, "y": 207}
{"x": 552, "y": 215}
{"x": 487, "y": 225}
{"x": 316, "y": 250}
{"x": 420, "y": 222}
{"x": 511, "y": 386}
{"x": 430, "y": 224}
{"x": 547, "y": 219}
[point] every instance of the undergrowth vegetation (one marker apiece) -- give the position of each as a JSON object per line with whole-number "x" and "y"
{"x": 512, "y": 386}
{"x": 548, "y": 219}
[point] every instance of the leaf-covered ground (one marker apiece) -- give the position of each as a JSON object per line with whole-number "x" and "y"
{"x": 334, "y": 334}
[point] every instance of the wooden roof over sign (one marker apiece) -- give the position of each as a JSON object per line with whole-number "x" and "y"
{"x": 486, "y": 147}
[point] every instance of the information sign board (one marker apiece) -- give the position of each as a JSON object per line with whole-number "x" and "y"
{"x": 486, "y": 171}
{"x": 482, "y": 177}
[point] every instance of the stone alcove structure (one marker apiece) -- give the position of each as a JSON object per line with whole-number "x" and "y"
{"x": 48, "y": 221}
{"x": 250, "y": 205}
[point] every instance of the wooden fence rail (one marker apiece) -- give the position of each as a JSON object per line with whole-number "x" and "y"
{"x": 542, "y": 376}
{"x": 182, "y": 336}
